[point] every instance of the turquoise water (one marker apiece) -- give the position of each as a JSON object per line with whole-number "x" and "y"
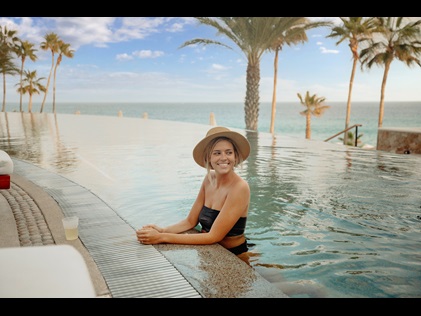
{"x": 288, "y": 120}
{"x": 326, "y": 220}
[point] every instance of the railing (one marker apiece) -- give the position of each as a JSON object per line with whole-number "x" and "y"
{"x": 345, "y": 130}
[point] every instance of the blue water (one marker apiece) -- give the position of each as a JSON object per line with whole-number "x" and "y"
{"x": 326, "y": 220}
{"x": 288, "y": 120}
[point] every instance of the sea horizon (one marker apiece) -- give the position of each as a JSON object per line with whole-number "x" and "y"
{"x": 288, "y": 120}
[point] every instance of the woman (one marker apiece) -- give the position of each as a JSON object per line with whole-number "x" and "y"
{"x": 221, "y": 206}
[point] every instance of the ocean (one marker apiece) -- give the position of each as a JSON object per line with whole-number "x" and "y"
{"x": 288, "y": 120}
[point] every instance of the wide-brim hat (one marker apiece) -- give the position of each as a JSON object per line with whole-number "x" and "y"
{"x": 242, "y": 143}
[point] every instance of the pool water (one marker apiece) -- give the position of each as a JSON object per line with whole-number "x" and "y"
{"x": 326, "y": 220}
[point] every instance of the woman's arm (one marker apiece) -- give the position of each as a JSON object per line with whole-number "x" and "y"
{"x": 186, "y": 224}
{"x": 235, "y": 206}
{"x": 150, "y": 236}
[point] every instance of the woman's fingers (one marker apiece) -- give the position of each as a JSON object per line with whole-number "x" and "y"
{"x": 140, "y": 235}
{"x": 143, "y": 235}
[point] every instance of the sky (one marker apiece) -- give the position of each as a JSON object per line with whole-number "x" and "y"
{"x": 139, "y": 59}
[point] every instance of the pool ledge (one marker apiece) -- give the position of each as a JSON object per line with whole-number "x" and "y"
{"x": 399, "y": 140}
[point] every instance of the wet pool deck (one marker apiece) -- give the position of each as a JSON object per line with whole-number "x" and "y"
{"x": 31, "y": 212}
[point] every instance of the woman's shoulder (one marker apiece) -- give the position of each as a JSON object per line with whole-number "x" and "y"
{"x": 209, "y": 176}
{"x": 242, "y": 184}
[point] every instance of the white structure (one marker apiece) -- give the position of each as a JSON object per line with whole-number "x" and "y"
{"x": 44, "y": 272}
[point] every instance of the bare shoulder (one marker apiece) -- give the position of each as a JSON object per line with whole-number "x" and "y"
{"x": 242, "y": 186}
{"x": 206, "y": 180}
{"x": 239, "y": 197}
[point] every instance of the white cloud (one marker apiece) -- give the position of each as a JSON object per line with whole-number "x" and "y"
{"x": 124, "y": 57}
{"x": 218, "y": 67}
{"x": 324, "y": 50}
{"x": 148, "y": 54}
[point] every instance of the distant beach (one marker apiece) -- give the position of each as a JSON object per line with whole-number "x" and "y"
{"x": 288, "y": 120}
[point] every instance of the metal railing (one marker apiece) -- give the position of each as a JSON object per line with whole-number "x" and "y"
{"x": 345, "y": 130}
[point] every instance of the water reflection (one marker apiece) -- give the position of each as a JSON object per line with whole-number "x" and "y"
{"x": 22, "y": 137}
{"x": 327, "y": 220}
{"x": 321, "y": 210}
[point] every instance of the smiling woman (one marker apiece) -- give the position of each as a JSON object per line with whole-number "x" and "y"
{"x": 222, "y": 204}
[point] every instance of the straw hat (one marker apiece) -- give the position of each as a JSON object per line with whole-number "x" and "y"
{"x": 242, "y": 143}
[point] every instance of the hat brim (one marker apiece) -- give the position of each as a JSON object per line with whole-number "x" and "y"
{"x": 242, "y": 143}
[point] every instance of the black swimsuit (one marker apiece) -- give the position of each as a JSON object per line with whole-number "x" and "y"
{"x": 206, "y": 218}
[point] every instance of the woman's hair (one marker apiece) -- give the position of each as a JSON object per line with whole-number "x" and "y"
{"x": 209, "y": 149}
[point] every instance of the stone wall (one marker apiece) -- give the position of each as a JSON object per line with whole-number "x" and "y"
{"x": 399, "y": 140}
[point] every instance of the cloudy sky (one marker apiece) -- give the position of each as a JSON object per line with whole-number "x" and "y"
{"x": 139, "y": 59}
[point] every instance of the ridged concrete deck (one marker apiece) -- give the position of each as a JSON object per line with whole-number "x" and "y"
{"x": 130, "y": 269}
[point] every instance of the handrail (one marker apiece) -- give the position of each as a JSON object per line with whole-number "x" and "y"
{"x": 345, "y": 130}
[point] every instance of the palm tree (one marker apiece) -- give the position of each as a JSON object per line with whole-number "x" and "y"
{"x": 395, "y": 39}
{"x": 31, "y": 85}
{"x": 8, "y": 37}
{"x": 64, "y": 50}
{"x": 292, "y": 32}
{"x": 253, "y": 36}
{"x": 356, "y": 30}
{"x": 51, "y": 44}
{"x": 314, "y": 106}
{"x": 7, "y": 67}
{"x": 23, "y": 50}
{"x": 8, "y": 42}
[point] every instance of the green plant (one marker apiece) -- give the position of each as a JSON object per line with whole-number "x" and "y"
{"x": 351, "y": 139}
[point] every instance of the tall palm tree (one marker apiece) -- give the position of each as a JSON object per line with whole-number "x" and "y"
{"x": 8, "y": 42}
{"x": 356, "y": 30}
{"x": 7, "y": 67}
{"x": 51, "y": 44}
{"x": 314, "y": 106}
{"x": 397, "y": 38}
{"x": 63, "y": 50}
{"x": 25, "y": 50}
{"x": 292, "y": 32}
{"x": 253, "y": 36}
{"x": 31, "y": 85}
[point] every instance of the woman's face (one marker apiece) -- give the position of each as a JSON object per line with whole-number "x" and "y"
{"x": 223, "y": 157}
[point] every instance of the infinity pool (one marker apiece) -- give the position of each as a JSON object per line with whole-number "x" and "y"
{"x": 327, "y": 220}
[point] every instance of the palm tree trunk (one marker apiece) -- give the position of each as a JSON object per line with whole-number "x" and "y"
{"x": 251, "y": 105}
{"x": 3, "y": 108}
{"x": 54, "y": 87}
{"x": 348, "y": 105}
{"x": 30, "y": 104}
{"x": 48, "y": 84}
{"x": 381, "y": 108}
{"x": 21, "y": 93}
{"x": 275, "y": 79}
{"x": 308, "y": 125}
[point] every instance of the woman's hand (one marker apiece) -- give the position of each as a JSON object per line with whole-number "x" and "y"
{"x": 149, "y": 234}
{"x": 156, "y": 227}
